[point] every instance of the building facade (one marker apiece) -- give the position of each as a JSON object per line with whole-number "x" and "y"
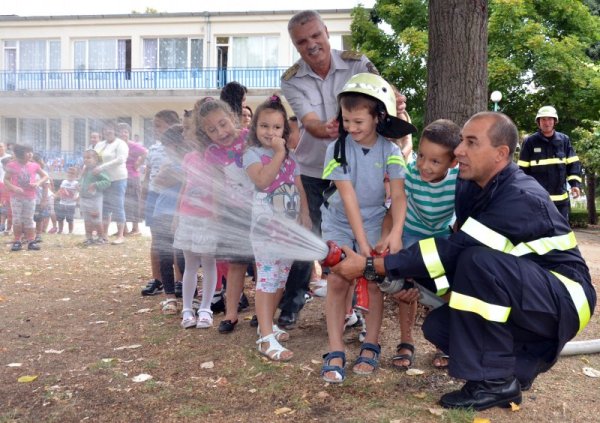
{"x": 62, "y": 76}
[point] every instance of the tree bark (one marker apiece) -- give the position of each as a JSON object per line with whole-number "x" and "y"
{"x": 591, "y": 198}
{"x": 457, "y": 62}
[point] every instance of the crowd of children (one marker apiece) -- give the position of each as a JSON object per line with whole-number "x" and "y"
{"x": 255, "y": 163}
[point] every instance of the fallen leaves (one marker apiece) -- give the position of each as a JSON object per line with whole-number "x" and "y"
{"x": 142, "y": 377}
{"x": 128, "y": 347}
{"x": 591, "y": 372}
{"x": 54, "y": 351}
{"x": 283, "y": 410}
{"x": 207, "y": 365}
{"x": 14, "y": 364}
{"x": 414, "y": 372}
{"x": 27, "y": 378}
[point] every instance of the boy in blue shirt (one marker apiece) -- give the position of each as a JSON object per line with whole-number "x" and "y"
{"x": 354, "y": 205}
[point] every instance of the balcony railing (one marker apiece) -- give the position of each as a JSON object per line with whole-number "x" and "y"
{"x": 139, "y": 79}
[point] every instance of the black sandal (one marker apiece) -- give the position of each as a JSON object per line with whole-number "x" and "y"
{"x": 227, "y": 326}
{"x": 409, "y": 357}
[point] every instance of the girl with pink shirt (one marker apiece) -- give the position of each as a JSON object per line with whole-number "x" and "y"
{"x": 22, "y": 182}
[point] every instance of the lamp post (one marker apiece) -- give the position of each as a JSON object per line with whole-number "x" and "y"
{"x": 496, "y": 96}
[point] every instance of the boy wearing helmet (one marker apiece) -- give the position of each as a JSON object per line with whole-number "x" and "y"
{"x": 549, "y": 157}
{"x": 354, "y": 207}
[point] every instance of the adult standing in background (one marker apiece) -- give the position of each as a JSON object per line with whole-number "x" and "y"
{"x": 311, "y": 87}
{"x": 94, "y": 139}
{"x": 234, "y": 94}
{"x": 549, "y": 157}
{"x": 133, "y": 194}
{"x": 114, "y": 152}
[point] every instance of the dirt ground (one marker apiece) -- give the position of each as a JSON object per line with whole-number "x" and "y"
{"x": 73, "y": 320}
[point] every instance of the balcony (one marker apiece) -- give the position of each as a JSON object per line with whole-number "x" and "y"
{"x": 139, "y": 79}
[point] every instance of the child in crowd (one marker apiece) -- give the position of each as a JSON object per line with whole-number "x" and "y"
{"x": 68, "y": 193}
{"x": 354, "y": 208}
{"x": 22, "y": 182}
{"x": 41, "y": 216}
{"x": 278, "y": 190}
{"x": 195, "y": 235}
{"x": 4, "y": 198}
{"x": 90, "y": 197}
{"x": 168, "y": 182}
{"x": 430, "y": 187}
{"x": 216, "y": 123}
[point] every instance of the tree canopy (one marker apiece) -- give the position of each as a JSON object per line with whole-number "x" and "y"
{"x": 538, "y": 54}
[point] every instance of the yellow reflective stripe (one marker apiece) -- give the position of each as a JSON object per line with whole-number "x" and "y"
{"x": 486, "y": 236}
{"x": 579, "y": 299}
{"x": 496, "y": 241}
{"x": 545, "y": 245}
{"x": 431, "y": 258}
{"x": 572, "y": 159}
{"x": 396, "y": 160}
{"x": 574, "y": 178}
{"x": 546, "y": 162}
{"x": 523, "y": 163}
{"x": 330, "y": 168}
{"x": 441, "y": 285}
{"x": 559, "y": 197}
{"x": 490, "y": 312}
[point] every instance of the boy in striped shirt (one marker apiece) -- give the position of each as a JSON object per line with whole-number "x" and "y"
{"x": 430, "y": 186}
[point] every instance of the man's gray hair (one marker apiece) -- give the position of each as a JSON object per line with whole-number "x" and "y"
{"x": 303, "y": 17}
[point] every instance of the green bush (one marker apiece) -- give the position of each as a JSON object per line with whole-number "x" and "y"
{"x": 578, "y": 218}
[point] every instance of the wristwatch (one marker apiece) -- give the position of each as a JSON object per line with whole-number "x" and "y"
{"x": 369, "y": 273}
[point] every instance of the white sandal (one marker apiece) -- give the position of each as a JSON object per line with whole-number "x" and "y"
{"x": 189, "y": 318}
{"x": 279, "y": 333}
{"x": 205, "y": 319}
{"x": 169, "y": 306}
{"x": 274, "y": 350}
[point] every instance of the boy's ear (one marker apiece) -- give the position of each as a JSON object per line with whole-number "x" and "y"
{"x": 454, "y": 162}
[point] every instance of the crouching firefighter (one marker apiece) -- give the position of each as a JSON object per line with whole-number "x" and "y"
{"x": 520, "y": 289}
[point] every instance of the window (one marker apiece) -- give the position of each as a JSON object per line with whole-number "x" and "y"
{"x": 148, "y": 136}
{"x": 32, "y": 55}
{"x": 259, "y": 51}
{"x": 33, "y": 132}
{"x": 173, "y": 53}
{"x": 102, "y": 54}
{"x": 9, "y": 130}
{"x": 55, "y": 135}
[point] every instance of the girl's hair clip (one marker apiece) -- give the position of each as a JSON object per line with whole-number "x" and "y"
{"x": 275, "y": 99}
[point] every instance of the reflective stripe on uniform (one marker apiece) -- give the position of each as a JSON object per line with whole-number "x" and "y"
{"x": 496, "y": 241}
{"x": 579, "y": 299}
{"x": 546, "y": 162}
{"x": 522, "y": 163}
{"x": 560, "y": 197}
{"x": 574, "y": 178}
{"x": 434, "y": 265}
{"x": 491, "y": 312}
{"x": 329, "y": 168}
{"x": 572, "y": 159}
{"x": 499, "y": 242}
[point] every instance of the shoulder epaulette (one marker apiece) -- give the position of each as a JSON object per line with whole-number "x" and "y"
{"x": 351, "y": 55}
{"x": 292, "y": 70}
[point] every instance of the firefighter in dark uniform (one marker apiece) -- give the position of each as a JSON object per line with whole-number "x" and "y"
{"x": 549, "y": 157}
{"x": 520, "y": 289}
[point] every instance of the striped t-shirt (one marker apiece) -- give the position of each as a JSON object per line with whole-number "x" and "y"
{"x": 430, "y": 208}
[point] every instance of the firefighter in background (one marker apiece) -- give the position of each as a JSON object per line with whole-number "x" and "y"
{"x": 549, "y": 157}
{"x": 520, "y": 287}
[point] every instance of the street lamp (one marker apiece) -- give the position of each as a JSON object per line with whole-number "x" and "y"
{"x": 496, "y": 96}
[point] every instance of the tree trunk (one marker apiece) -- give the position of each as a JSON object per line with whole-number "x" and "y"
{"x": 457, "y": 63}
{"x": 591, "y": 198}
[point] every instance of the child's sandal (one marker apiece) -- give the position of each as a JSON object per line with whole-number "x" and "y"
{"x": 338, "y": 371}
{"x": 189, "y": 318}
{"x": 279, "y": 333}
{"x": 205, "y": 319}
{"x": 274, "y": 350}
{"x": 169, "y": 306}
{"x": 371, "y": 361}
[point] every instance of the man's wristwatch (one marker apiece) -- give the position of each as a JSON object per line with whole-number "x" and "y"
{"x": 369, "y": 273}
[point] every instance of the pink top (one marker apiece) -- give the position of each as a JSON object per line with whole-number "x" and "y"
{"x": 136, "y": 150}
{"x": 22, "y": 176}
{"x": 197, "y": 196}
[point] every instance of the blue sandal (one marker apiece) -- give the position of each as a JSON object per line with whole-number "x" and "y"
{"x": 371, "y": 361}
{"x": 340, "y": 371}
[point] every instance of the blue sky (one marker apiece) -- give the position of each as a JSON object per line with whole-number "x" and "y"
{"x": 86, "y": 7}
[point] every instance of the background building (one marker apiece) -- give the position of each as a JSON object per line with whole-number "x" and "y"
{"x": 61, "y": 76}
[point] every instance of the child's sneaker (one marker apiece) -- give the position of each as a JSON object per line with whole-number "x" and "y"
{"x": 152, "y": 288}
{"x": 17, "y": 246}
{"x": 33, "y": 245}
{"x": 38, "y": 238}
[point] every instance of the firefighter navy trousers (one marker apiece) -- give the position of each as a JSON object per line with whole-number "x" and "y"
{"x": 541, "y": 318}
